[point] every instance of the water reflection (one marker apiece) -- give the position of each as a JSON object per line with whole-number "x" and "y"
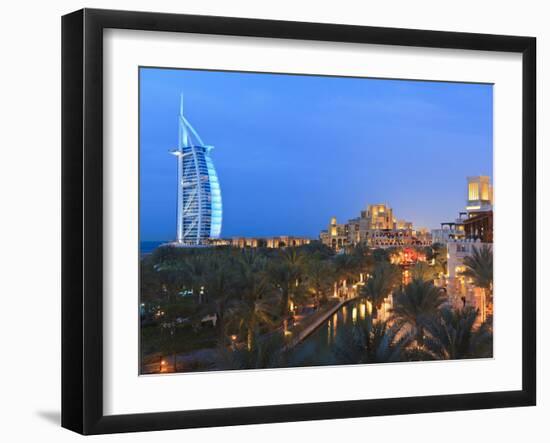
{"x": 320, "y": 344}
{"x": 331, "y": 328}
{"x": 324, "y": 337}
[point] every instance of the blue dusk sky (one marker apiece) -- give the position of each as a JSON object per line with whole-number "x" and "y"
{"x": 291, "y": 151}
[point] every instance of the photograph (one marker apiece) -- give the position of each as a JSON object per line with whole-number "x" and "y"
{"x": 298, "y": 220}
{"x": 275, "y": 221}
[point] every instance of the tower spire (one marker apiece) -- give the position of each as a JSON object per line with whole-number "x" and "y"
{"x": 199, "y": 204}
{"x": 188, "y": 135}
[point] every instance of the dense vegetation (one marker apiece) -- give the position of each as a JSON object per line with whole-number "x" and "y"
{"x": 230, "y": 308}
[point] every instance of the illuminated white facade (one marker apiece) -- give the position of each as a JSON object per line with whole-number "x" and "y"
{"x": 199, "y": 201}
{"x": 480, "y": 194}
{"x": 377, "y": 228}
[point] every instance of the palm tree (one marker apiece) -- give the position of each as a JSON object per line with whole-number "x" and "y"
{"x": 364, "y": 257}
{"x": 150, "y": 285}
{"x": 452, "y": 335}
{"x": 415, "y": 304}
{"x": 370, "y": 341}
{"x": 256, "y": 304}
{"x": 172, "y": 282}
{"x": 479, "y": 267}
{"x": 346, "y": 267}
{"x": 266, "y": 352}
{"x": 320, "y": 278}
{"x": 171, "y": 312}
{"x": 483, "y": 339}
{"x": 380, "y": 284}
{"x": 423, "y": 271}
{"x": 194, "y": 271}
{"x": 380, "y": 255}
{"x": 285, "y": 275}
{"x": 219, "y": 281}
{"x": 439, "y": 256}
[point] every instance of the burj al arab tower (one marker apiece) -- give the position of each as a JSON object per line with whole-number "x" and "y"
{"x": 199, "y": 199}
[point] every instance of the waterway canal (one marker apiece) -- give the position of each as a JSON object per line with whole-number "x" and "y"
{"x": 319, "y": 345}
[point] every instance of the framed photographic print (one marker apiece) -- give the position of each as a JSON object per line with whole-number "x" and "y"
{"x": 269, "y": 221}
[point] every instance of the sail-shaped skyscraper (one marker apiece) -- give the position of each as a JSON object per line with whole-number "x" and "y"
{"x": 199, "y": 200}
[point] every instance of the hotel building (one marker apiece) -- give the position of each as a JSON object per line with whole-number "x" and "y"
{"x": 479, "y": 224}
{"x": 476, "y": 223}
{"x": 473, "y": 230}
{"x": 376, "y": 227}
{"x": 480, "y": 194}
{"x": 451, "y": 230}
{"x": 261, "y": 242}
{"x": 199, "y": 201}
{"x": 337, "y": 236}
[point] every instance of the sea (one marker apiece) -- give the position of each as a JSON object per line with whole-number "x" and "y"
{"x": 146, "y": 247}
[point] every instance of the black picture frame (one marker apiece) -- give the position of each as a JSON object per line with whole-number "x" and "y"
{"x": 82, "y": 215}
